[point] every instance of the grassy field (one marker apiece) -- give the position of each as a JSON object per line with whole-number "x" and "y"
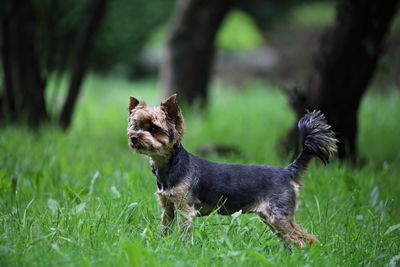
{"x": 83, "y": 198}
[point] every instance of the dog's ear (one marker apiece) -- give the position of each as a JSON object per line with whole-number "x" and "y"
{"x": 171, "y": 108}
{"x": 134, "y": 103}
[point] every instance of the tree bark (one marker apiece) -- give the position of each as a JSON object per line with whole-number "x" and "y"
{"x": 343, "y": 67}
{"x": 94, "y": 15}
{"x": 190, "y": 47}
{"x": 23, "y": 100}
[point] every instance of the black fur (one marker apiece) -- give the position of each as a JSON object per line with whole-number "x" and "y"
{"x": 318, "y": 140}
{"x": 234, "y": 186}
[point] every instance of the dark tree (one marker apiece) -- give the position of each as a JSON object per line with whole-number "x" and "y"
{"x": 94, "y": 14}
{"x": 343, "y": 66}
{"x": 190, "y": 47}
{"x": 36, "y": 42}
{"x": 23, "y": 89}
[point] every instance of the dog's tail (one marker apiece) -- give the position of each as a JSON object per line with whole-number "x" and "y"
{"x": 318, "y": 140}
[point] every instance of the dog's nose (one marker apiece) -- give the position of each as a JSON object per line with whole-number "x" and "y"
{"x": 134, "y": 139}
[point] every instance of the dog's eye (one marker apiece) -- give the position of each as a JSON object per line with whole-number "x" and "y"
{"x": 153, "y": 129}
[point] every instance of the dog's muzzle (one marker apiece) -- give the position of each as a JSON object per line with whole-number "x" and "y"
{"x": 134, "y": 139}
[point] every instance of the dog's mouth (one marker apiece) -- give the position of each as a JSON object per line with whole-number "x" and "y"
{"x": 139, "y": 148}
{"x": 136, "y": 146}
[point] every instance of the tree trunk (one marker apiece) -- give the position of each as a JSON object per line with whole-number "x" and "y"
{"x": 23, "y": 99}
{"x": 94, "y": 15}
{"x": 343, "y": 67}
{"x": 190, "y": 47}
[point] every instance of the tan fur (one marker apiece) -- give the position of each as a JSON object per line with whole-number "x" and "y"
{"x": 287, "y": 229}
{"x": 179, "y": 194}
{"x": 176, "y": 198}
{"x": 296, "y": 189}
{"x": 291, "y": 232}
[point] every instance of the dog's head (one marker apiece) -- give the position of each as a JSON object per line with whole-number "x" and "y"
{"x": 154, "y": 131}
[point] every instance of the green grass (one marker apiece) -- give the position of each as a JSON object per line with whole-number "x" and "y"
{"x": 83, "y": 198}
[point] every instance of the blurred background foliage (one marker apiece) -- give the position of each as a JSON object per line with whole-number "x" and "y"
{"x": 57, "y": 23}
{"x": 131, "y": 27}
{"x": 275, "y": 41}
{"x": 124, "y": 32}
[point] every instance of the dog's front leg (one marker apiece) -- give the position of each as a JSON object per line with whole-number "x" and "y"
{"x": 189, "y": 213}
{"x": 167, "y": 217}
{"x": 168, "y": 213}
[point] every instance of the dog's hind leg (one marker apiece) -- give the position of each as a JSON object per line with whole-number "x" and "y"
{"x": 287, "y": 229}
{"x": 291, "y": 232}
{"x": 310, "y": 238}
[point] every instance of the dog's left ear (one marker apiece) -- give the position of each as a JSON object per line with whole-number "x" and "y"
{"x": 135, "y": 104}
{"x": 173, "y": 111}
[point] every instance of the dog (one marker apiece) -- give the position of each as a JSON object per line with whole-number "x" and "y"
{"x": 197, "y": 187}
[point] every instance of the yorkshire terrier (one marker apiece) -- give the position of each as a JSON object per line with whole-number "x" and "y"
{"x": 197, "y": 187}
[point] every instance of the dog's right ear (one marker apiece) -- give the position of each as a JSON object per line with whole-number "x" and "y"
{"x": 133, "y": 102}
